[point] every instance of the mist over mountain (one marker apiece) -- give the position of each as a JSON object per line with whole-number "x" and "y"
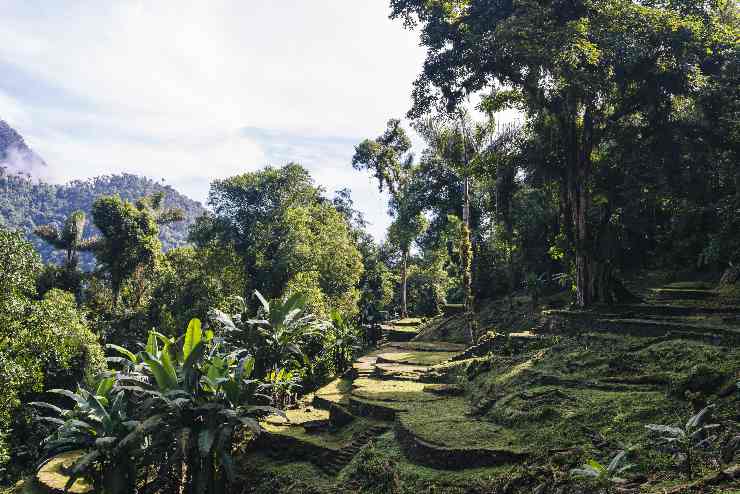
{"x": 16, "y": 156}
{"x": 26, "y": 201}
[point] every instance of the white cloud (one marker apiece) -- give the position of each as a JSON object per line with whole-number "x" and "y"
{"x": 165, "y": 88}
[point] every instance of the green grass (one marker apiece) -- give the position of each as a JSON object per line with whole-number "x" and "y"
{"x": 382, "y": 467}
{"x": 391, "y": 390}
{"x": 297, "y": 417}
{"x": 417, "y": 358}
{"x": 336, "y": 391}
{"x": 328, "y": 440}
{"x": 580, "y": 398}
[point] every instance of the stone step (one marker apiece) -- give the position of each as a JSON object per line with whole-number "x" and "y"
{"x": 682, "y": 294}
{"x": 574, "y": 322}
{"x": 398, "y": 333}
{"x": 451, "y": 457}
{"x": 344, "y": 456}
{"x": 409, "y": 321}
{"x": 669, "y": 310}
{"x": 426, "y": 346}
{"x": 453, "y": 309}
{"x": 366, "y": 408}
{"x": 389, "y": 372}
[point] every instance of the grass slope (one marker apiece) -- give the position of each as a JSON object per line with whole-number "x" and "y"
{"x": 517, "y": 419}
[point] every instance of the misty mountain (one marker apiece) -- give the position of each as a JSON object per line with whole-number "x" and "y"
{"x": 26, "y": 203}
{"x": 16, "y": 156}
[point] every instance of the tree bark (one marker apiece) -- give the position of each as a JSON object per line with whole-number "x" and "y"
{"x": 404, "y": 261}
{"x": 578, "y": 198}
{"x": 468, "y": 245}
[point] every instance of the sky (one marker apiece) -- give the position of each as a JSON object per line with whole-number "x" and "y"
{"x": 192, "y": 91}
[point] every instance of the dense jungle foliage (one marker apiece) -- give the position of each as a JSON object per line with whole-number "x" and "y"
{"x": 26, "y": 204}
{"x": 157, "y": 336}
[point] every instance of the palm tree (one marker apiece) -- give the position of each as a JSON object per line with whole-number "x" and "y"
{"x": 154, "y": 203}
{"x": 469, "y": 148}
{"x": 69, "y": 238}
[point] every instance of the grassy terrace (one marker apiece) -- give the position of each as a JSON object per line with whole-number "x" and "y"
{"x": 333, "y": 440}
{"x": 529, "y": 412}
{"x": 415, "y": 358}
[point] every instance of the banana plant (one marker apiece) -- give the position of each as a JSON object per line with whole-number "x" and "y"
{"x": 341, "y": 342}
{"x": 278, "y": 336}
{"x": 100, "y": 427}
{"x": 604, "y": 474}
{"x": 690, "y": 438}
{"x": 207, "y": 394}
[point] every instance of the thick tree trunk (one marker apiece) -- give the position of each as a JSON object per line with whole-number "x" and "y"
{"x": 578, "y": 198}
{"x": 404, "y": 261}
{"x": 467, "y": 252}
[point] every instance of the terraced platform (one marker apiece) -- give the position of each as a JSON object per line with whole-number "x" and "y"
{"x": 401, "y": 329}
{"x": 532, "y": 395}
{"x": 382, "y": 385}
{"x": 685, "y": 310}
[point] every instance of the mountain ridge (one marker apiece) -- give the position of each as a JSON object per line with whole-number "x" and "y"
{"x": 15, "y": 155}
{"x": 26, "y": 204}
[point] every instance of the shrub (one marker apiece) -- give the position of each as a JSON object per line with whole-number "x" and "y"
{"x": 49, "y": 346}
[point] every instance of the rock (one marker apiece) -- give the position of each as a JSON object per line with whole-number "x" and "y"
{"x": 316, "y": 426}
{"x": 339, "y": 417}
{"x": 445, "y": 389}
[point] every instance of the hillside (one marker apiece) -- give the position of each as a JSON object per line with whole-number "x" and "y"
{"x": 15, "y": 155}
{"x": 26, "y": 204}
{"x": 518, "y": 411}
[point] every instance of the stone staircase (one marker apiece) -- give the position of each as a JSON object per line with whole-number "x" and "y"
{"x": 400, "y": 330}
{"x": 363, "y": 402}
{"x": 691, "y": 313}
{"x": 337, "y": 461}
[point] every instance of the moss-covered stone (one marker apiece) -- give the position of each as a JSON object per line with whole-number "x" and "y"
{"x": 527, "y": 415}
{"x": 51, "y": 477}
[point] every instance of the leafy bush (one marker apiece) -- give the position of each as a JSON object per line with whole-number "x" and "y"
{"x": 277, "y": 336}
{"x": 99, "y": 423}
{"x": 283, "y": 385}
{"x": 47, "y": 346}
{"x": 188, "y": 396}
{"x": 341, "y": 342}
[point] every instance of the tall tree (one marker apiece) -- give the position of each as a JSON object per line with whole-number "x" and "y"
{"x": 69, "y": 239}
{"x": 389, "y": 159}
{"x": 286, "y": 234}
{"x": 586, "y": 65}
{"x": 469, "y": 150}
{"x": 245, "y": 209}
{"x": 129, "y": 241}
